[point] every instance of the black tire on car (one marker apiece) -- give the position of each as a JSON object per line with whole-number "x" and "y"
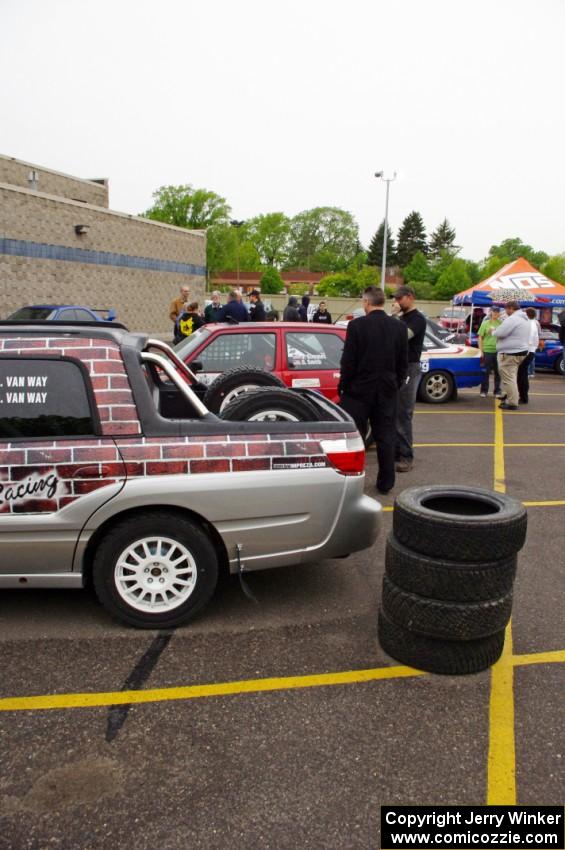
{"x": 460, "y": 621}
{"x": 234, "y": 382}
{"x": 448, "y": 657}
{"x": 155, "y": 570}
{"x": 436, "y": 387}
{"x": 559, "y": 365}
{"x": 270, "y": 405}
{"x": 448, "y": 580}
{"x": 443, "y": 519}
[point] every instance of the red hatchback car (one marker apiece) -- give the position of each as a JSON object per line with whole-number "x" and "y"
{"x": 300, "y": 355}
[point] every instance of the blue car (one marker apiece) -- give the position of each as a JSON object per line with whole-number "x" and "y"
{"x": 447, "y": 368}
{"x": 61, "y": 313}
{"x": 551, "y": 354}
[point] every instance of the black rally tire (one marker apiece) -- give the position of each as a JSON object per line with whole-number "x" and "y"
{"x": 559, "y": 365}
{"x": 463, "y": 523}
{"x": 436, "y": 387}
{"x": 144, "y": 526}
{"x": 451, "y": 658}
{"x": 452, "y": 581}
{"x": 270, "y": 405}
{"x": 230, "y": 380}
{"x": 449, "y": 620}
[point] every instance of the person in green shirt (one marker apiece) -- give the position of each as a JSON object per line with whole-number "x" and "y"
{"x": 487, "y": 346}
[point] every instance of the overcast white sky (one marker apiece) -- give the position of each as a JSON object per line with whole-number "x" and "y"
{"x": 295, "y": 104}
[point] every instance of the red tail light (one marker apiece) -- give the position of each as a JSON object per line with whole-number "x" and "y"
{"x": 346, "y": 456}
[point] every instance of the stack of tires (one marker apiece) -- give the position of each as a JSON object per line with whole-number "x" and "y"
{"x": 450, "y": 567}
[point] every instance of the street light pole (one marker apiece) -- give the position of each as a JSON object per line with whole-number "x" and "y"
{"x": 388, "y": 181}
{"x": 237, "y": 225}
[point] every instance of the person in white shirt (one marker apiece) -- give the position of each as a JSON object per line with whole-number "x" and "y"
{"x": 523, "y": 377}
{"x": 512, "y": 341}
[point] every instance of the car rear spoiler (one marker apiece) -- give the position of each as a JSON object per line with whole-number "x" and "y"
{"x": 109, "y": 311}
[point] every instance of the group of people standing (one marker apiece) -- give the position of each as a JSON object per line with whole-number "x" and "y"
{"x": 380, "y": 373}
{"x": 187, "y": 316}
{"x": 508, "y": 345}
{"x": 295, "y": 312}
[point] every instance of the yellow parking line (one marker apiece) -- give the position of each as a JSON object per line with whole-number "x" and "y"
{"x": 44, "y": 702}
{"x": 557, "y": 656}
{"x": 499, "y": 483}
{"x": 487, "y": 445}
{"x": 552, "y": 504}
{"x": 501, "y": 770}
{"x": 533, "y": 445}
{"x": 245, "y": 686}
{"x": 451, "y": 445}
{"x": 488, "y": 412}
{"x": 501, "y": 766}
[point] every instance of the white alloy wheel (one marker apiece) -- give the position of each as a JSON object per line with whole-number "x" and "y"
{"x": 274, "y": 416}
{"x": 155, "y": 574}
{"x": 235, "y": 393}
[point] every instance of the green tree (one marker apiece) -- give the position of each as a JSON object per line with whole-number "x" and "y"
{"x": 443, "y": 239}
{"x": 411, "y": 238}
{"x": 340, "y": 283}
{"x": 423, "y": 289}
{"x": 366, "y": 276}
{"x": 375, "y": 253}
{"x": 554, "y": 268}
{"x": 511, "y": 249}
{"x": 352, "y": 282}
{"x": 269, "y": 233}
{"x": 271, "y": 282}
{"x": 226, "y": 252}
{"x": 418, "y": 269}
{"x": 184, "y": 206}
{"x": 454, "y": 279}
{"x": 322, "y": 234}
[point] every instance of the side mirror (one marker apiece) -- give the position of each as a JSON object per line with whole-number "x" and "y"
{"x": 196, "y": 366}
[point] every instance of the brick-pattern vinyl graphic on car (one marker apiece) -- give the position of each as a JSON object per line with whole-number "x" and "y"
{"x": 102, "y": 358}
{"x": 48, "y": 475}
{"x": 222, "y": 453}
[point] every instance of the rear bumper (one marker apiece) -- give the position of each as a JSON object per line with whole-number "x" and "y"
{"x": 356, "y": 527}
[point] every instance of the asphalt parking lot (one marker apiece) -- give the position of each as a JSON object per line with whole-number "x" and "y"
{"x": 282, "y": 724}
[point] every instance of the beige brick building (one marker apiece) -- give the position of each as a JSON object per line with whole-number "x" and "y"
{"x": 122, "y": 261}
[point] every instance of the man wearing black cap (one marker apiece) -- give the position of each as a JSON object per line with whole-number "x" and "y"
{"x": 257, "y": 309}
{"x": 373, "y": 367}
{"x": 416, "y": 326}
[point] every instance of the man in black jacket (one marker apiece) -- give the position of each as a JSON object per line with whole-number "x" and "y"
{"x": 374, "y": 365}
{"x": 257, "y": 310}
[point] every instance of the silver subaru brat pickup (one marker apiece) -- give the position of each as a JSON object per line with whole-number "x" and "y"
{"x": 112, "y": 471}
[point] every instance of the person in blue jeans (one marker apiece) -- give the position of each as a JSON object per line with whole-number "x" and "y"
{"x": 487, "y": 347}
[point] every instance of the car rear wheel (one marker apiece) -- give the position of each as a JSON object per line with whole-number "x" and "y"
{"x": 559, "y": 365}
{"x": 233, "y": 383}
{"x": 436, "y": 387}
{"x": 270, "y": 405}
{"x": 155, "y": 570}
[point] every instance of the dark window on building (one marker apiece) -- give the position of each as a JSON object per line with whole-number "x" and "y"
{"x": 44, "y": 398}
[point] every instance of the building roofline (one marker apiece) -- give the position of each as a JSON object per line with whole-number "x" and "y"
{"x": 92, "y": 181}
{"x": 80, "y": 205}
